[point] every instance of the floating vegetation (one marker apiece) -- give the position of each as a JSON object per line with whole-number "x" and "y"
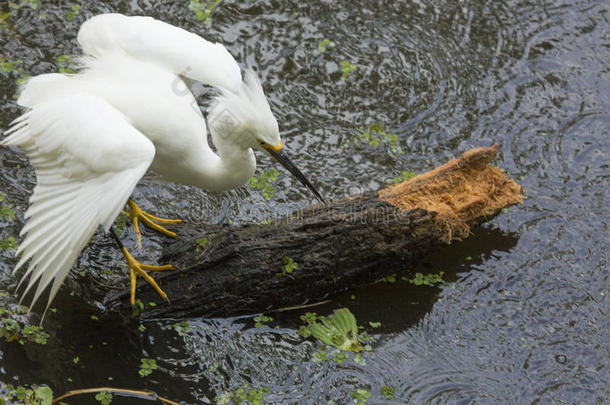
{"x": 104, "y": 397}
{"x": 289, "y": 266}
{"x": 389, "y": 278}
{"x": 33, "y": 4}
{"x": 74, "y": 11}
{"x": 388, "y": 391}
{"x": 14, "y": 326}
{"x": 265, "y": 182}
{"x": 7, "y": 212}
{"x": 375, "y": 135}
{"x": 26, "y": 395}
{"x": 203, "y": 9}
{"x": 147, "y": 367}
{"x": 429, "y": 280}
{"x": 347, "y": 68}
{"x": 201, "y": 243}
{"x": 137, "y": 308}
{"x": 182, "y": 328}
{"x": 243, "y": 395}
{"x": 260, "y": 320}
{"x": 65, "y": 66}
{"x": 10, "y": 66}
{"x": 325, "y": 44}
{"x": 361, "y": 396}
{"x": 337, "y": 330}
{"x": 405, "y": 175}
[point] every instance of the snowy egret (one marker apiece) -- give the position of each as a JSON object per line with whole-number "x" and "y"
{"x": 91, "y": 136}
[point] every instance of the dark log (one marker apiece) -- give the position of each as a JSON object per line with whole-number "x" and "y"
{"x": 337, "y": 246}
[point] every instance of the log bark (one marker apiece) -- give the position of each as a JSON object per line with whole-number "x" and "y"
{"x": 337, "y": 246}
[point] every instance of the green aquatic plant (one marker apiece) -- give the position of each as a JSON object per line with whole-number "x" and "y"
{"x": 33, "y": 4}
{"x": 14, "y": 326}
{"x": 11, "y": 66}
{"x": 65, "y": 64}
{"x": 429, "y": 280}
{"x": 34, "y": 395}
{"x": 243, "y": 395}
{"x": 182, "y": 328}
{"x": 347, "y": 68}
{"x": 147, "y": 366}
{"x": 405, "y": 175}
{"x": 337, "y": 330}
{"x": 74, "y": 11}
{"x": 265, "y": 182}
{"x": 201, "y": 243}
{"x": 260, "y": 320}
{"x": 289, "y": 266}
{"x": 388, "y": 391}
{"x": 104, "y": 397}
{"x": 203, "y": 9}
{"x": 325, "y": 44}
{"x": 361, "y": 396}
{"x": 376, "y": 135}
{"x": 137, "y": 308}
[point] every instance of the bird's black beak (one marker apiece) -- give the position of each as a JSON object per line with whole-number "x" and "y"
{"x": 279, "y": 155}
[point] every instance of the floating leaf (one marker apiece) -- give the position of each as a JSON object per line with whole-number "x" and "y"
{"x": 338, "y": 330}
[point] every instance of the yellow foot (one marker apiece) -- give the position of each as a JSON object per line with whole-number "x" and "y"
{"x": 138, "y": 269}
{"x": 136, "y": 214}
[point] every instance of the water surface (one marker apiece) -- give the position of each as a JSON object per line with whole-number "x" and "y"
{"x": 524, "y": 315}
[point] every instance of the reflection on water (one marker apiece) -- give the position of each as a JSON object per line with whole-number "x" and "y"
{"x": 524, "y": 316}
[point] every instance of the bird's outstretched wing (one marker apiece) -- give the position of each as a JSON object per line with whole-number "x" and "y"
{"x": 88, "y": 159}
{"x": 145, "y": 38}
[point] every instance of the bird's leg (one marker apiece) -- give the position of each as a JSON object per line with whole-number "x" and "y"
{"x": 138, "y": 269}
{"x": 136, "y": 214}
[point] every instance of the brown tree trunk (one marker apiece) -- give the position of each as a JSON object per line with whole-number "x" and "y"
{"x": 337, "y": 246}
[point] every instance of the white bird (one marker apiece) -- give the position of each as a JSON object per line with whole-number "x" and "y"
{"x": 91, "y": 136}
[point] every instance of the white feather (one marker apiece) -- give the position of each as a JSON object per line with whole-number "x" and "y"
{"x": 147, "y": 39}
{"x": 88, "y": 159}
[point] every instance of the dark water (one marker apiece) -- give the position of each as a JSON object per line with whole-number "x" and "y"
{"x": 524, "y": 317}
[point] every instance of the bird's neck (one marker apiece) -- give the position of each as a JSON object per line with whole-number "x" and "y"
{"x": 228, "y": 169}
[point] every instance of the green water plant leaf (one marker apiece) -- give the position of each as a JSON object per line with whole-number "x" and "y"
{"x": 338, "y": 330}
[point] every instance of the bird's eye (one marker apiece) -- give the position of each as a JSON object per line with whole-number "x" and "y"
{"x": 261, "y": 142}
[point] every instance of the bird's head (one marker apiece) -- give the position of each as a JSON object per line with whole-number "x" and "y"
{"x": 245, "y": 120}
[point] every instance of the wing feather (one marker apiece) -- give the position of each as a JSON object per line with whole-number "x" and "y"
{"x": 145, "y": 38}
{"x": 88, "y": 159}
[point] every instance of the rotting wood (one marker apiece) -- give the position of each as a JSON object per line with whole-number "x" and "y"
{"x": 337, "y": 246}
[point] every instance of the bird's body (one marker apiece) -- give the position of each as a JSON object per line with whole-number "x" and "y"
{"x": 91, "y": 136}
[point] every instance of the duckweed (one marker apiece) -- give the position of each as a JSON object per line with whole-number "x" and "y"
{"x": 65, "y": 64}
{"x": 182, "y": 328}
{"x": 361, "y": 396}
{"x": 74, "y": 11}
{"x": 201, "y": 243}
{"x": 14, "y": 327}
{"x": 244, "y": 395}
{"x": 203, "y": 9}
{"x": 289, "y": 266}
{"x": 260, "y": 320}
{"x": 388, "y": 391}
{"x": 347, "y": 68}
{"x": 147, "y": 366}
{"x": 375, "y": 135}
{"x": 265, "y": 182}
{"x": 430, "y": 280}
{"x": 104, "y": 397}
{"x": 26, "y": 395}
{"x": 325, "y": 44}
{"x": 405, "y": 175}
